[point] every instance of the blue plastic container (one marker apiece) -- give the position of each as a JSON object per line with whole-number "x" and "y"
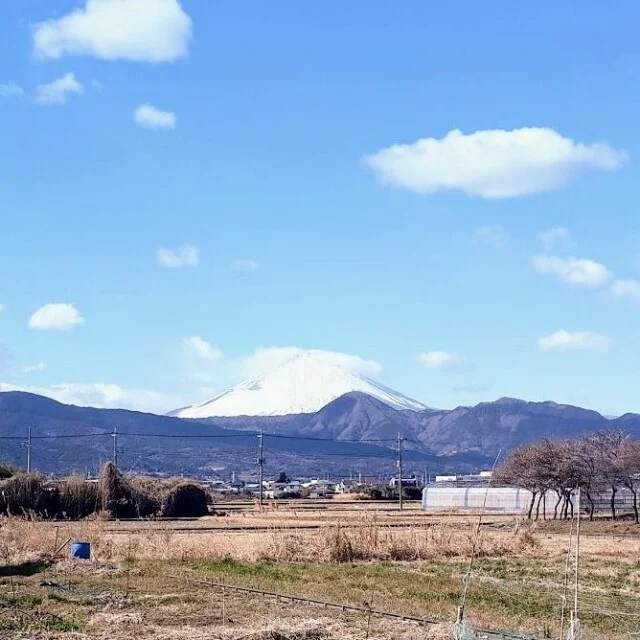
{"x": 81, "y": 550}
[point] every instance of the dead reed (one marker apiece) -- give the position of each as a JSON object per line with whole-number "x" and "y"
{"x": 21, "y": 540}
{"x": 114, "y": 496}
{"x": 372, "y": 541}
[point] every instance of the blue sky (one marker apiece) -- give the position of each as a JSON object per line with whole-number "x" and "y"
{"x": 254, "y": 143}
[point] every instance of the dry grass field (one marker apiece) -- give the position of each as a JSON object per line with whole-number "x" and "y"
{"x": 154, "y": 579}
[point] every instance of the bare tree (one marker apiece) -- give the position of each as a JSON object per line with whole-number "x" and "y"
{"x": 603, "y": 461}
{"x": 519, "y": 470}
{"x": 587, "y": 460}
{"x": 629, "y": 467}
{"x": 610, "y": 444}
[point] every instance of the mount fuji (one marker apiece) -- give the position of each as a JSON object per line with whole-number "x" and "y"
{"x": 303, "y": 384}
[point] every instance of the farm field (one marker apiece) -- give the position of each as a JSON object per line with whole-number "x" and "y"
{"x": 164, "y": 579}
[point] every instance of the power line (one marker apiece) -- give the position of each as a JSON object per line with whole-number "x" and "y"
{"x": 204, "y": 436}
{"x": 59, "y": 436}
{"x": 285, "y": 436}
{"x": 247, "y": 434}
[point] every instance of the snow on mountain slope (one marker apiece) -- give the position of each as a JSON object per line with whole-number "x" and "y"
{"x": 303, "y": 384}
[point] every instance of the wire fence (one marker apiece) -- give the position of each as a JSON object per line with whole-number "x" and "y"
{"x": 284, "y": 598}
{"x": 201, "y": 454}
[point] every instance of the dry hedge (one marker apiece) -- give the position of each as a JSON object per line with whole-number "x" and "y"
{"x": 25, "y": 493}
{"x": 183, "y": 501}
{"x": 77, "y": 498}
{"x": 31, "y": 495}
{"x": 121, "y": 499}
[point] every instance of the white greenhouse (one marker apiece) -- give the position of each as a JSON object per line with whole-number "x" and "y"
{"x": 493, "y": 499}
{"x": 513, "y": 500}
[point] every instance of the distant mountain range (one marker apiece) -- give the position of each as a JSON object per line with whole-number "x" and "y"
{"x": 69, "y": 439}
{"x": 482, "y": 429}
{"x": 354, "y": 433}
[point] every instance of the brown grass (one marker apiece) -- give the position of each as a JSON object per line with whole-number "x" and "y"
{"x": 22, "y": 540}
{"x": 273, "y": 627}
{"x": 373, "y": 542}
{"x": 147, "y": 572}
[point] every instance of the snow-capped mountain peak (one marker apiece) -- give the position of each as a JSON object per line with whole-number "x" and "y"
{"x": 302, "y": 384}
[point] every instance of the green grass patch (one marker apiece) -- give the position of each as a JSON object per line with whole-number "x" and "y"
{"x": 19, "y": 600}
{"x": 514, "y": 593}
{"x": 39, "y": 622}
{"x": 229, "y": 567}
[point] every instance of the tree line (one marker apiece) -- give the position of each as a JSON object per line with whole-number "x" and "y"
{"x": 601, "y": 462}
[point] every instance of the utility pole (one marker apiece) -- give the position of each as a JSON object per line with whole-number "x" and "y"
{"x": 575, "y": 620}
{"x": 400, "y": 441}
{"x": 261, "y": 464}
{"x": 29, "y": 450}
{"x": 114, "y": 435}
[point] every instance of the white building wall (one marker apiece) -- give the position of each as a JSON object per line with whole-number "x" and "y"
{"x": 498, "y": 499}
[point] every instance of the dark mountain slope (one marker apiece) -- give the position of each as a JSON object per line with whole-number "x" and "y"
{"x": 461, "y": 439}
{"x": 69, "y": 438}
{"x": 483, "y": 429}
{"x": 504, "y": 424}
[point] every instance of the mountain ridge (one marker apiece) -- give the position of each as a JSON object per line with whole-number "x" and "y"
{"x": 484, "y": 428}
{"x": 355, "y": 431}
{"x": 68, "y": 438}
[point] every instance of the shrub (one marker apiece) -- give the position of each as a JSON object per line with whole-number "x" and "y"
{"x": 120, "y": 499}
{"x": 289, "y": 495}
{"x": 114, "y": 495}
{"x": 77, "y": 498}
{"x": 412, "y": 493}
{"x": 25, "y": 494}
{"x": 186, "y": 500}
{"x": 8, "y": 471}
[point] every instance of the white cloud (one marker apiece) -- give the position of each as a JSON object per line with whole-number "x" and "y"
{"x": 104, "y": 395}
{"x": 34, "y": 367}
{"x": 202, "y": 348}
{"x": 56, "y": 315}
{"x": 578, "y": 272}
{"x": 494, "y": 236}
{"x": 629, "y": 289}
{"x": 11, "y": 90}
{"x": 185, "y": 255}
{"x": 57, "y": 92}
{"x": 557, "y": 236}
{"x": 440, "y": 360}
{"x": 244, "y": 265}
{"x": 491, "y": 164}
{"x": 575, "y": 341}
{"x": 1, "y": 306}
{"x": 150, "y": 117}
{"x": 581, "y": 272}
{"x": 138, "y": 30}
{"x": 264, "y": 359}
